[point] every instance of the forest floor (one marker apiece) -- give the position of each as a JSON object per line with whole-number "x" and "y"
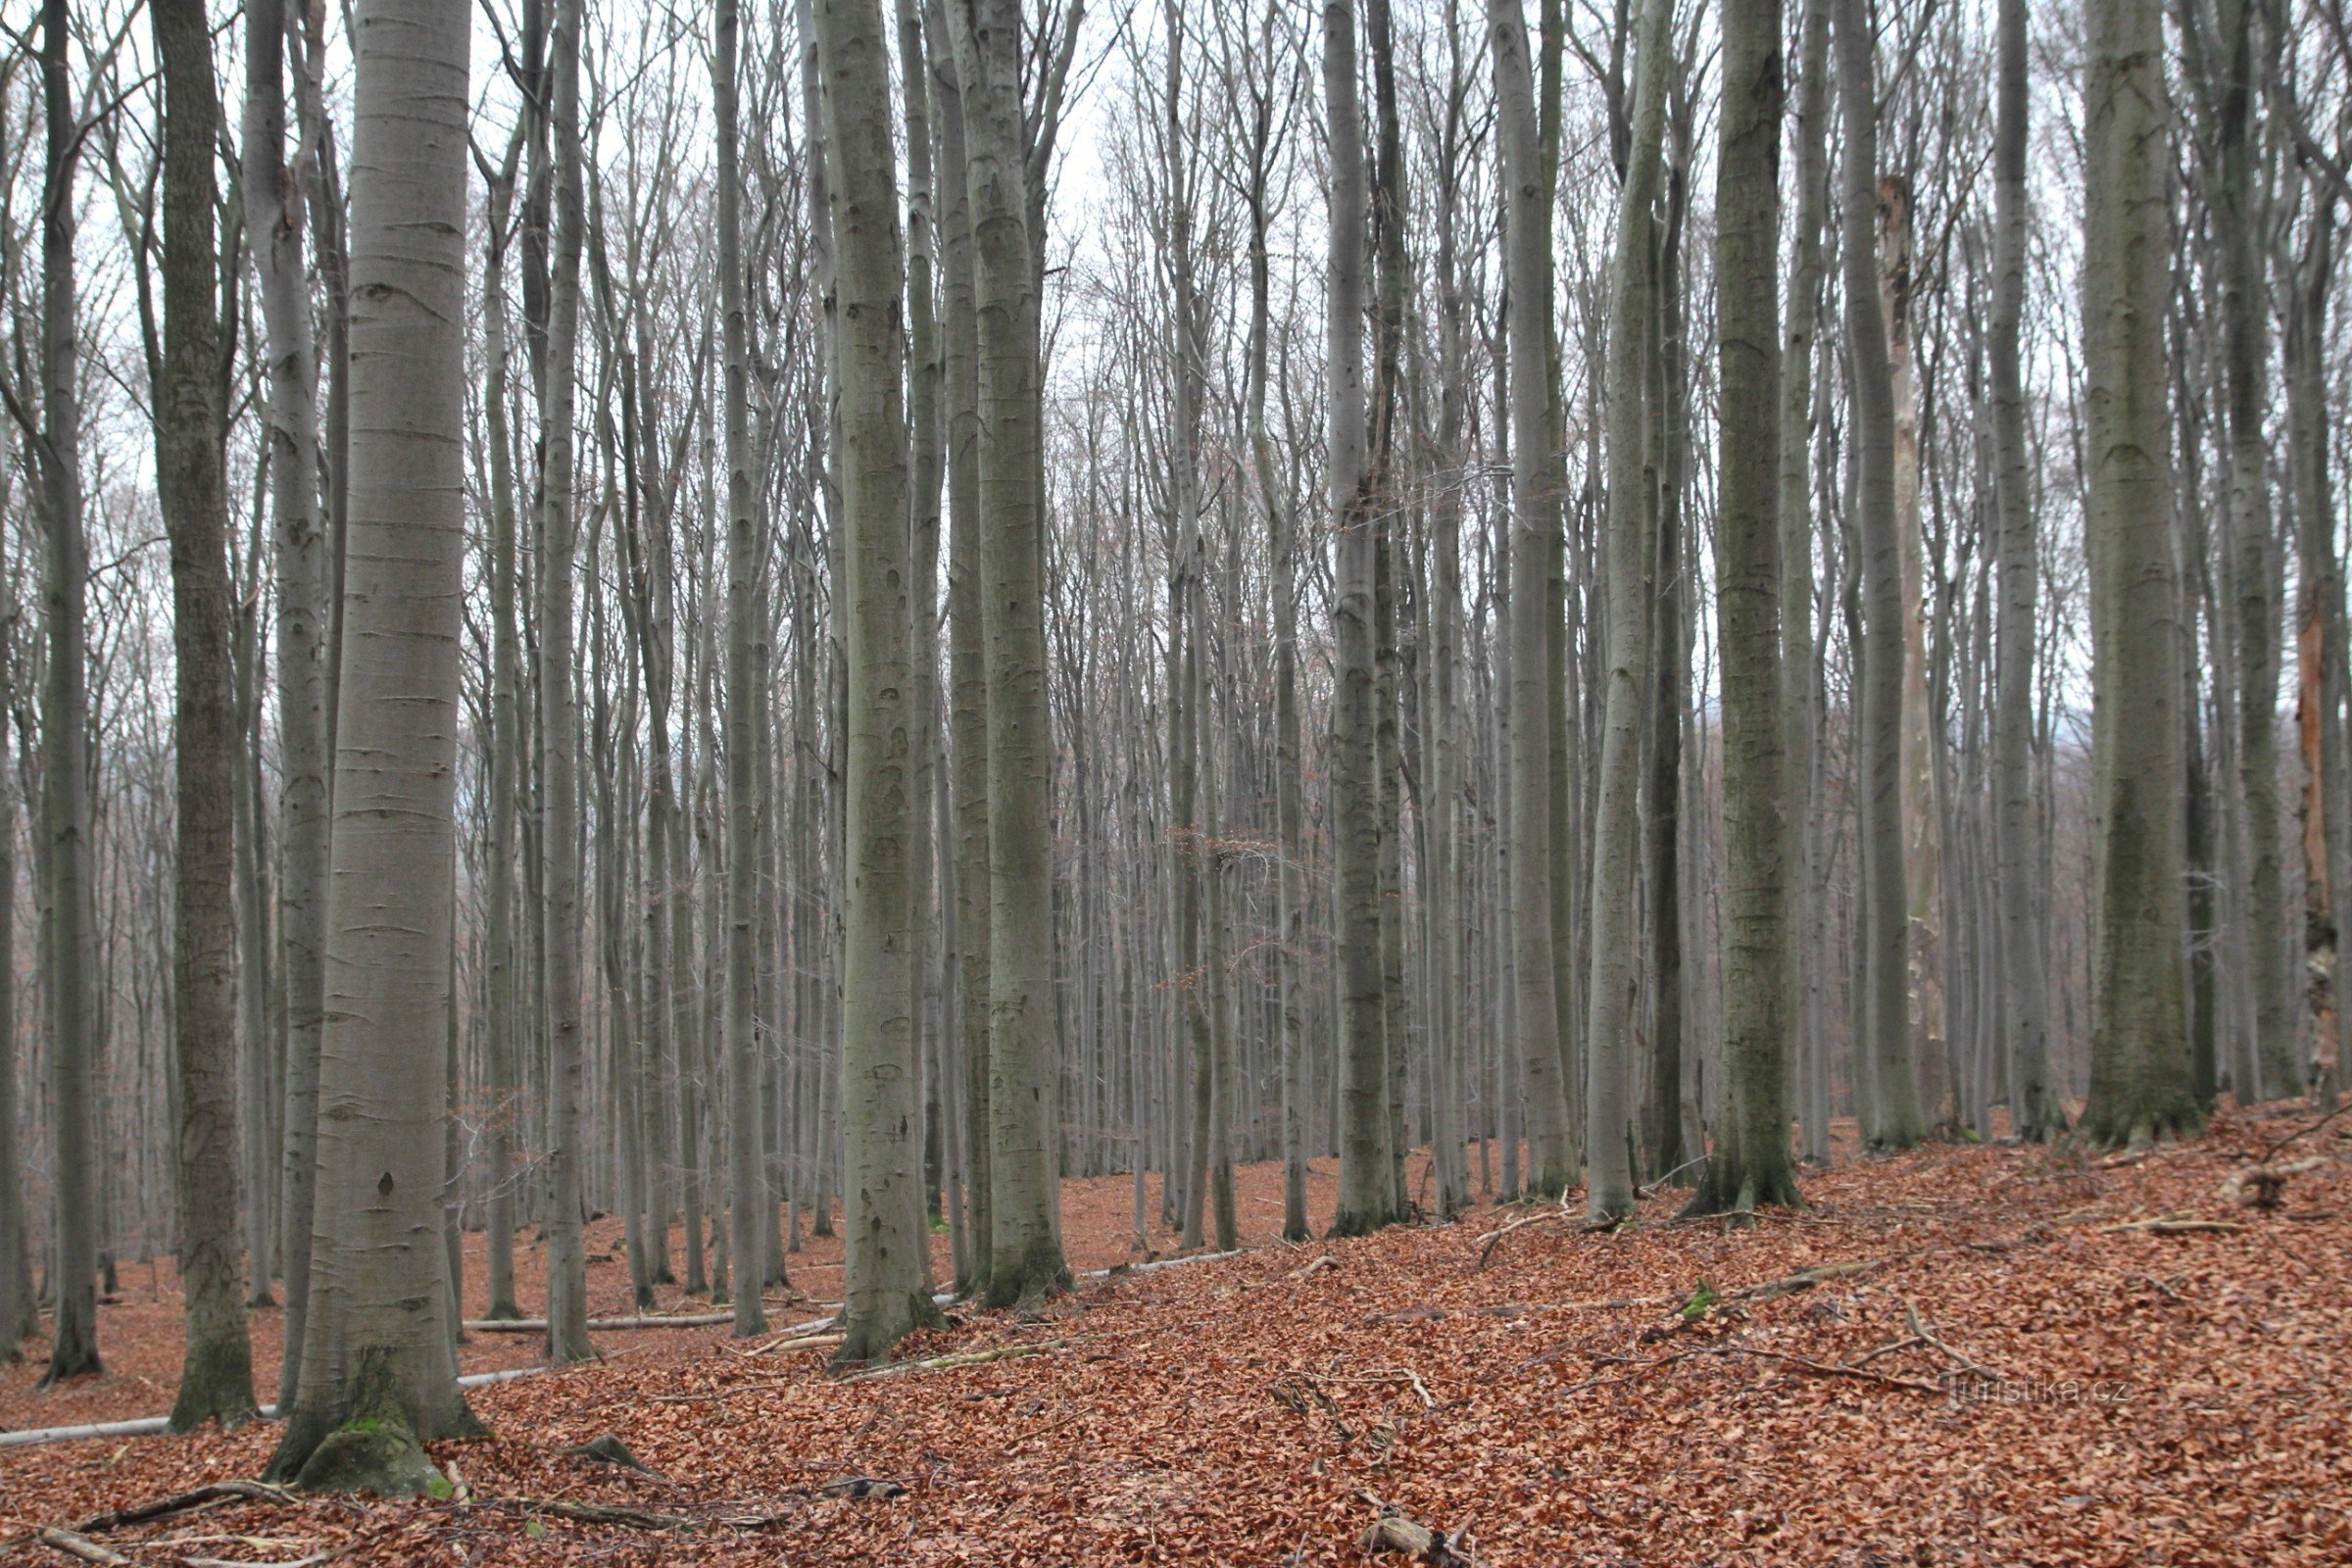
{"x": 1981, "y": 1368}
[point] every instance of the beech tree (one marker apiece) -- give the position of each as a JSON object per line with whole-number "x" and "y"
{"x": 379, "y": 1377}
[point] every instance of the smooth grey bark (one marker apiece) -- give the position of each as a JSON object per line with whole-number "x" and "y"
{"x": 742, "y": 830}
{"x": 1800, "y": 679}
{"x": 1452, "y": 998}
{"x": 2239, "y": 197}
{"x": 64, "y": 719}
{"x": 2323, "y": 677}
{"x": 1751, "y": 1161}
{"x": 502, "y": 1014}
{"x": 2139, "y": 1071}
{"x": 1633, "y": 479}
{"x": 926, "y": 991}
{"x": 884, "y": 1294}
{"x": 1364, "y": 1196}
{"x": 1893, "y": 1119}
{"x": 1024, "y": 1200}
{"x": 216, "y": 1379}
{"x": 1281, "y": 531}
{"x": 378, "y": 1375}
{"x": 274, "y": 226}
{"x": 967, "y": 672}
{"x": 1537, "y": 483}
{"x": 1387, "y": 502}
{"x": 565, "y": 1156}
{"x": 2034, "y": 1109}
{"x": 20, "y": 1310}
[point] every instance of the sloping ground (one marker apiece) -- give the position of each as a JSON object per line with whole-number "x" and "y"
{"x": 2003, "y": 1379}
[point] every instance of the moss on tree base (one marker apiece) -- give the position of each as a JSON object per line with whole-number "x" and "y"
{"x": 215, "y": 1385}
{"x": 1026, "y": 1282}
{"x": 381, "y": 1456}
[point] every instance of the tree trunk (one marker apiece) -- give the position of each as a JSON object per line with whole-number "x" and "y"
{"x": 20, "y": 1307}
{"x": 1633, "y": 479}
{"x": 560, "y": 769}
{"x": 65, "y": 722}
{"x": 378, "y": 1375}
{"x": 1752, "y": 1159}
{"x": 216, "y": 1379}
{"x": 885, "y": 1295}
{"x": 1536, "y": 487}
{"x": 2323, "y": 677}
{"x": 2139, "y": 1073}
{"x": 1799, "y": 676}
{"x": 2033, "y": 1111}
{"x": 1894, "y": 1121}
{"x": 967, "y": 674}
{"x": 1025, "y": 1237}
{"x": 742, "y": 1064}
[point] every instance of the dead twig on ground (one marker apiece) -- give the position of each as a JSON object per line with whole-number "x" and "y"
{"x": 77, "y": 1546}
{"x": 209, "y": 1496}
{"x": 1005, "y": 1352}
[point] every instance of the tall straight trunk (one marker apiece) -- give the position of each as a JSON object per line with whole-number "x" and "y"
{"x": 560, "y": 769}
{"x": 216, "y": 1379}
{"x": 1288, "y": 811}
{"x": 1450, "y": 994}
{"x": 2240, "y": 216}
{"x": 1536, "y": 483}
{"x": 2321, "y": 673}
{"x": 1896, "y": 1120}
{"x": 926, "y": 459}
{"x": 1632, "y": 478}
{"x": 1921, "y": 829}
{"x": 257, "y": 993}
{"x": 2139, "y": 1071}
{"x": 1661, "y": 1114}
{"x": 1189, "y": 754}
{"x": 1752, "y": 1159}
{"x": 1024, "y": 1200}
{"x": 1216, "y": 937}
{"x": 1185, "y": 870}
{"x": 885, "y": 1295}
{"x": 500, "y": 1031}
{"x": 967, "y": 674}
{"x": 1365, "y": 1198}
{"x": 648, "y": 602}
{"x": 378, "y": 1375}
{"x": 65, "y": 721}
{"x": 1799, "y": 677}
{"x": 273, "y": 224}
{"x": 742, "y": 1064}
{"x": 20, "y": 1307}
{"x": 1384, "y": 505}
{"x": 2033, "y": 1111}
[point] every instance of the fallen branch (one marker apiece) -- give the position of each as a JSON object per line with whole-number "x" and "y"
{"x": 73, "y": 1545}
{"x": 1393, "y": 1531}
{"x": 203, "y": 1497}
{"x": 311, "y": 1561}
{"x": 1806, "y": 1279}
{"x": 788, "y": 1342}
{"x": 594, "y": 1513}
{"x": 2303, "y": 1132}
{"x": 2172, "y": 1225}
{"x": 654, "y": 1320}
{"x": 1005, "y": 1353}
{"x": 1927, "y": 1336}
{"x": 1494, "y": 1238}
{"x": 2259, "y": 1186}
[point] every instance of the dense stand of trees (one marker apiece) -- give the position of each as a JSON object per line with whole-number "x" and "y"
{"x": 819, "y": 615}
